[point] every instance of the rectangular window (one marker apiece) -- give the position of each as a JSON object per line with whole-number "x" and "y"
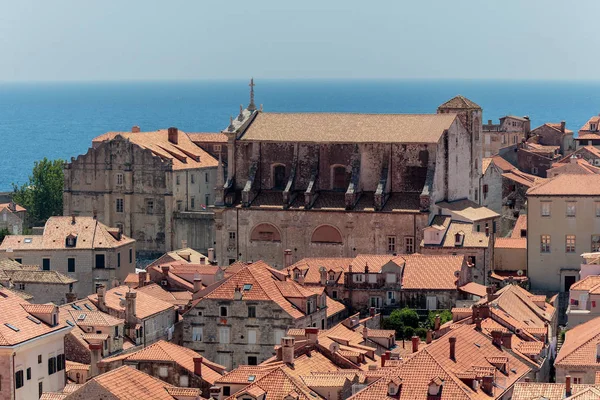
{"x": 193, "y": 178}
{"x": 391, "y": 244}
{"x": 390, "y": 277}
{"x": 251, "y": 336}
{"x": 277, "y": 335}
{"x": 177, "y": 180}
{"x": 545, "y": 208}
{"x": 40, "y": 388}
{"x": 46, "y": 264}
{"x": 206, "y": 177}
{"x": 207, "y": 200}
{"x": 597, "y": 208}
{"x": 223, "y": 311}
{"x": 197, "y": 333}
{"x": 28, "y": 374}
{"x": 570, "y": 244}
{"x": 224, "y": 334}
{"x": 118, "y": 260}
{"x": 334, "y": 294}
{"x": 570, "y": 208}
{"x": 192, "y": 202}
{"x": 39, "y": 358}
{"x": 409, "y": 245}
{"x": 358, "y": 278}
{"x": 51, "y": 365}
{"x": 252, "y": 360}
{"x": 119, "y": 179}
{"x": 100, "y": 261}
{"x": 545, "y": 244}
{"x": 251, "y": 311}
{"x": 149, "y": 207}
{"x": 130, "y": 256}
{"x": 60, "y": 362}
{"x": 19, "y": 379}
{"x": 226, "y": 390}
{"x": 70, "y": 265}
{"x": 179, "y": 204}
{"x": 577, "y": 381}
{"x": 119, "y": 205}
{"x": 595, "y": 243}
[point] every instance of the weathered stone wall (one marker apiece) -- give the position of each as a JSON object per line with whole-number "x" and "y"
{"x": 11, "y": 221}
{"x": 527, "y": 161}
{"x": 493, "y": 199}
{"x": 197, "y": 228}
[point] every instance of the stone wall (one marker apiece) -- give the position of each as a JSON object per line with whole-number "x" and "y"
{"x": 197, "y": 228}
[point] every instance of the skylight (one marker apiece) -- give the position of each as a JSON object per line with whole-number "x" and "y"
{"x": 88, "y": 307}
{"x": 75, "y": 306}
{"x": 118, "y": 294}
{"x": 251, "y": 378}
{"x": 70, "y": 322}
{"x": 14, "y": 328}
{"x": 81, "y": 317}
{"x": 27, "y": 240}
{"x": 247, "y": 287}
{"x": 33, "y": 319}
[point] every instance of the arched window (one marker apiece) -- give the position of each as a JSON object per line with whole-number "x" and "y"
{"x": 340, "y": 178}
{"x": 265, "y": 233}
{"x": 326, "y": 234}
{"x": 279, "y": 180}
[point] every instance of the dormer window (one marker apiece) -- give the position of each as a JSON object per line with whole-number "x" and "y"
{"x": 71, "y": 240}
{"x": 394, "y": 386}
{"x": 331, "y": 276}
{"x": 435, "y": 386}
{"x": 593, "y": 127}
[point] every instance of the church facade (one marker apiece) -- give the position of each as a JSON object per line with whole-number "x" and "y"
{"x": 341, "y": 184}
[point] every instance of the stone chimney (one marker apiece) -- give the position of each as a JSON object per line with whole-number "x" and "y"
{"x": 197, "y": 283}
{"x": 437, "y": 323}
{"x": 507, "y": 339}
{"x": 211, "y": 254}
{"x": 312, "y": 335}
{"x": 491, "y": 293}
{"x": 372, "y": 311}
{"x": 202, "y": 261}
{"x": 237, "y": 293}
{"x": 484, "y": 311}
{"x": 198, "y": 366}
{"x": 173, "y": 135}
{"x": 287, "y": 258}
{"x": 487, "y": 384}
{"x": 562, "y": 126}
{"x": 95, "y": 357}
{"x": 71, "y": 297}
{"x": 165, "y": 271}
{"x": 568, "y": 386}
{"x": 135, "y": 129}
{"x": 215, "y": 393}
{"x": 130, "y": 309}
{"x": 142, "y": 278}
{"x": 452, "y": 342}
{"x": 497, "y": 337}
{"x": 287, "y": 350}
{"x": 573, "y": 159}
{"x": 323, "y": 276}
{"x": 101, "y": 291}
{"x": 429, "y": 336}
{"x": 478, "y": 323}
{"x": 383, "y": 359}
{"x": 415, "y": 343}
{"x": 365, "y": 332}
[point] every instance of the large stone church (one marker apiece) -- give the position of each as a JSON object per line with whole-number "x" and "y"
{"x": 340, "y": 184}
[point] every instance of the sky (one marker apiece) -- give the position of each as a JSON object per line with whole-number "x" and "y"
{"x": 65, "y": 40}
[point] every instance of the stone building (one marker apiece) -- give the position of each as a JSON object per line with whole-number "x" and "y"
{"x": 554, "y": 134}
{"x": 587, "y": 153}
{"x": 139, "y": 182}
{"x": 578, "y": 356}
{"x": 43, "y": 286}
{"x": 81, "y": 248}
{"x": 213, "y": 143}
{"x": 171, "y": 363}
{"x": 510, "y": 131}
{"x": 239, "y": 320}
{"x": 12, "y": 217}
{"x": 147, "y": 319}
{"x": 563, "y": 221}
{"x": 574, "y": 166}
{"x": 32, "y": 356}
{"x": 336, "y": 185}
{"x": 589, "y": 134}
{"x": 584, "y": 301}
{"x": 536, "y": 159}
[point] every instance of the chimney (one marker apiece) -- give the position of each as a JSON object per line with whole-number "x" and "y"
{"x": 497, "y": 337}
{"x": 491, "y": 296}
{"x": 429, "y": 337}
{"x": 72, "y": 219}
{"x": 130, "y": 309}
{"x": 452, "y": 341}
{"x": 202, "y": 261}
{"x": 95, "y": 357}
{"x": 507, "y": 339}
{"x": 197, "y": 283}
{"x": 287, "y": 350}
{"x": 568, "y": 386}
{"x": 184, "y": 244}
{"x": 415, "y": 343}
{"x": 211, "y": 254}
{"x": 372, "y": 311}
{"x": 237, "y": 294}
{"x": 562, "y": 126}
{"x": 383, "y": 358}
{"x": 437, "y": 322}
{"x": 142, "y": 275}
{"x": 487, "y": 384}
{"x": 215, "y": 393}
{"x": 287, "y": 256}
{"x": 573, "y": 159}
{"x": 101, "y": 291}
{"x": 484, "y": 311}
{"x": 365, "y": 332}
{"x": 173, "y": 134}
{"x": 165, "y": 271}
{"x": 71, "y": 297}
{"x": 135, "y": 129}
{"x": 478, "y": 323}
{"x": 323, "y": 275}
{"x": 198, "y": 366}
{"x": 312, "y": 335}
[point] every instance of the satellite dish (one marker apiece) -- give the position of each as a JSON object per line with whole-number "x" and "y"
{"x": 520, "y": 272}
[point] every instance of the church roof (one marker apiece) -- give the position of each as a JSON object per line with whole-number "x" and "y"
{"x": 348, "y": 127}
{"x": 459, "y": 102}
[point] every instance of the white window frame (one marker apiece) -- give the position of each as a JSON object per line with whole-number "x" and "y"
{"x": 197, "y": 333}
{"x": 120, "y": 205}
{"x": 358, "y": 278}
{"x": 571, "y": 209}
{"x": 120, "y": 179}
{"x": 252, "y": 335}
{"x": 224, "y": 335}
{"x": 546, "y": 208}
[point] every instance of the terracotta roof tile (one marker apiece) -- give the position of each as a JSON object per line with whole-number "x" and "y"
{"x": 520, "y": 225}
{"x": 501, "y": 163}
{"x": 146, "y": 305}
{"x": 474, "y": 288}
{"x": 175, "y": 298}
{"x": 431, "y": 272}
{"x": 579, "y": 347}
{"x": 468, "y": 209}
{"x": 207, "y": 137}
{"x": 18, "y": 208}
{"x": 511, "y": 243}
{"x": 278, "y": 384}
{"x": 348, "y": 128}
{"x": 542, "y": 390}
{"x": 470, "y": 238}
{"x": 459, "y": 102}
{"x": 568, "y": 185}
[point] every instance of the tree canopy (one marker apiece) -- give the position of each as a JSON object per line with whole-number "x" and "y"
{"x": 42, "y": 195}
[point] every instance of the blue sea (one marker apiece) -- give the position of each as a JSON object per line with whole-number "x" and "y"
{"x": 59, "y": 120}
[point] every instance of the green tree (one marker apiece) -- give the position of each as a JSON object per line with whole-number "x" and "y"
{"x": 42, "y": 195}
{"x": 445, "y": 316}
{"x": 408, "y": 317}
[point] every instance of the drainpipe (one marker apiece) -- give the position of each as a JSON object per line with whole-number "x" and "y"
{"x": 14, "y": 396}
